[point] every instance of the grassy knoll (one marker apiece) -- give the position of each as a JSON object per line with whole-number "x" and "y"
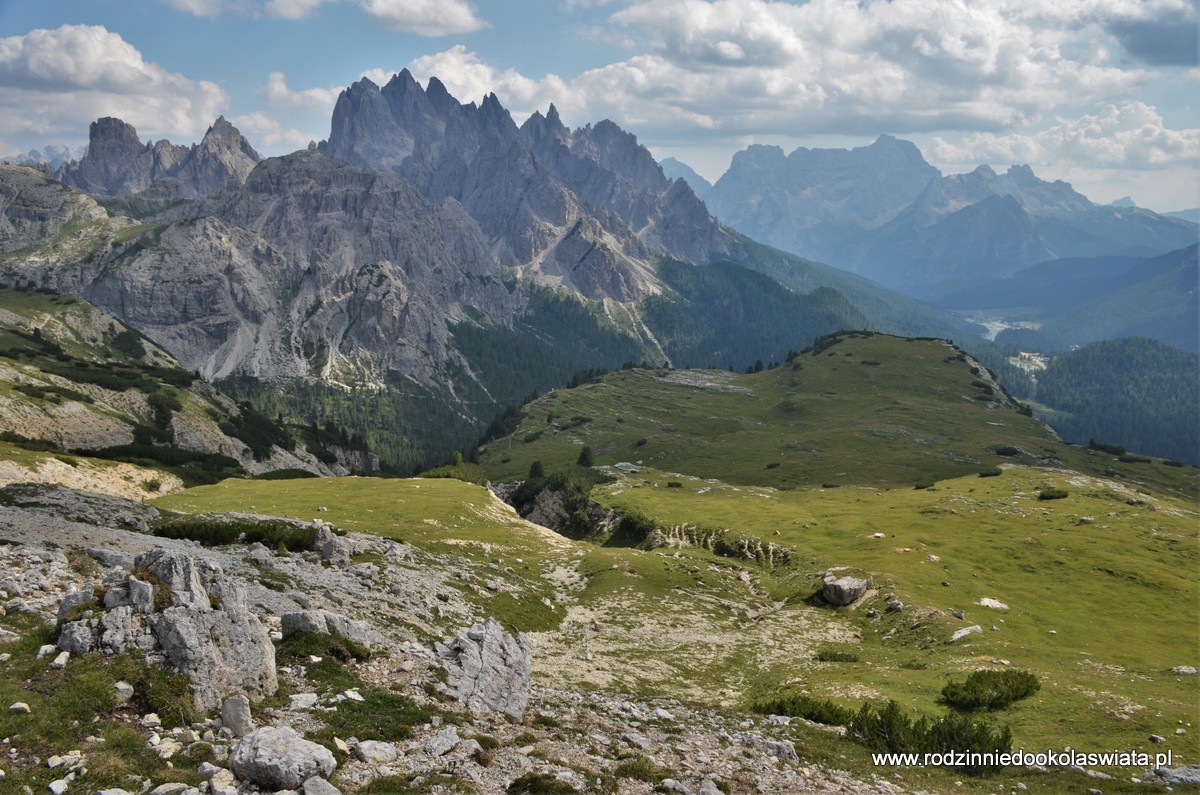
{"x": 880, "y": 411}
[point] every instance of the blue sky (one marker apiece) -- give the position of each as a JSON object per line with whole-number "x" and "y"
{"x": 1101, "y": 93}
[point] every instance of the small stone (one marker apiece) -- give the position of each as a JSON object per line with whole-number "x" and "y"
{"x": 340, "y": 744}
{"x": 168, "y": 748}
{"x": 958, "y": 614}
{"x": 49, "y": 648}
{"x": 319, "y": 786}
{"x": 208, "y": 769}
{"x": 151, "y": 720}
{"x": 222, "y": 779}
{"x": 302, "y": 701}
{"x": 124, "y": 691}
{"x": 962, "y": 633}
{"x": 634, "y": 738}
{"x": 61, "y": 660}
{"x": 1181, "y": 732}
{"x": 171, "y": 788}
{"x": 377, "y": 752}
{"x": 994, "y": 604}
{"x": 235, "y": 715}
{"x": 1053, "y": 632}
{"x": 19, "y": 707}
{"x": 1157, "y": 738}
{"x": 441, "y": 743}
{"x": 58, "y": 786}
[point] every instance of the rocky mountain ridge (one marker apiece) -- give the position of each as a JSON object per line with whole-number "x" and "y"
{"x": 116, "y": 163}
{"x": 588, "y": 208}
{"x": 884, "y": 212}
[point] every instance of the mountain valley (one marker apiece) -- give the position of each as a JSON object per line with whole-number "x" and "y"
{"x": 449, "y": 454}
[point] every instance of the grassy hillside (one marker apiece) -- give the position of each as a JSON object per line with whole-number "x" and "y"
{"x": 855, "y": 410}
{"x": 730, "y": 631}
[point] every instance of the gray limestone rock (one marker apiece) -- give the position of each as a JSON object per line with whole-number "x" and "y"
{"x": 442, "y": 743}
{"x": 319, "y": 786}
{"x": 840, "y": 590}
{"x": 488, "y": 668}
{"x": 1189, "y": 774}
{"x": 330, "y": 547}
{"x": 77, "y": 638}
{"x": 235, "y": 715}
{"x": 279, "y": 758}
{"x": 206, "y": 633}
{"x": 322, "y": 622}
{"x": 71, "y": 601}
{"x": 375, "y": 751}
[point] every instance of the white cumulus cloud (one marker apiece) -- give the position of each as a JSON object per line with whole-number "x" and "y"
{"x": 1131, "y": 135}
{"x": 278, "y": 94}
{"x": 423, "y": 17}
{"x": 55, "y": 82}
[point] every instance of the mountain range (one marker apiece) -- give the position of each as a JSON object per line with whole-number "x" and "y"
{"x": 883, "y": 212}
{"x": 434, "y": 261}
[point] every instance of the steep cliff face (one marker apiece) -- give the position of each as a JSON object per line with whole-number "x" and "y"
{"x": 314, "y": 267}
{"x": 118, "y": 164}
{"x": 536, "y": 191}
{"x": 34, "y": 209}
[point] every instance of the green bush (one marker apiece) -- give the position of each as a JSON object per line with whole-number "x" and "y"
{"x": 890, "y": 729}
{"x": 798, "y": 705}
{"x": 539, "y": 784}
{"x": 991, "y": 690}
{"x": 991, "y": 472}
{"x": 211, "y": 532}
{"x": 642, "y": 769}
{"x": 836, "y": 655}
{"x": 1052, "y": 494}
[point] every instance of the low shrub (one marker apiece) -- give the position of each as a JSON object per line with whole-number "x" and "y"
{"x": 642, "y": 769}
{"x": 990, "y": 689}
{"x": 991, "y": 472}
{"x": 211, "y": 531}
{"x": 799, "y": 705}
{"x": 539, "y": 784}
{"x": 889, "y": 728}
{"x": 1052, "y": 494}
{"x": 836, "y": 655}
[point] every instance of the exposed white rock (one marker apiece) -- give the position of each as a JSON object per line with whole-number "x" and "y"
{"x": 279, "y": 758}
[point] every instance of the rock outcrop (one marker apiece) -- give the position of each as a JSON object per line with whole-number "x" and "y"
{"x": 323, "y": 622}
{"x": 181, "y": 611}
{"x": 118, "y": 164}
{"x": 488, "y": 668}
{"x": 588, "y": 208}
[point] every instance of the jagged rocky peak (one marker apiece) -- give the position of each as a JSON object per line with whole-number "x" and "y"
{"x": 381, "y": 128}
{"x": 117, "y": 163}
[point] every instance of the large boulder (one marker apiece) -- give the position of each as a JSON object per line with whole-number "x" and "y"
{"x": 840, "y": 589}
{"x": 279, "y": 759}
{"x": 184, "y": 612}
{"x": 488, "y": 668}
